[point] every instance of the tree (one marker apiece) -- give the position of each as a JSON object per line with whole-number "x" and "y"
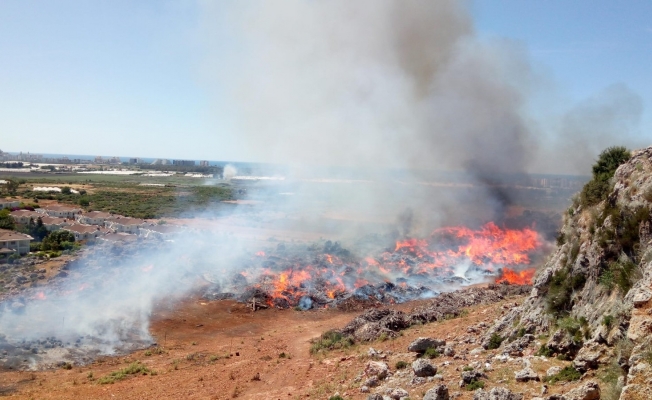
{"x": 6, "y": 222}
{"x": 598, "y": 188}
{"x": 84, "y": 202}
{"x": 65, "y": 190}
{"x": 36, "y": 229}
{"x": 12, "y": 186}
{"x": 609, "y": 161}
{"x": 58, "y": 240}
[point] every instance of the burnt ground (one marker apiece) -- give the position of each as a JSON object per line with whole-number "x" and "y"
{"x": 213, "y": 350}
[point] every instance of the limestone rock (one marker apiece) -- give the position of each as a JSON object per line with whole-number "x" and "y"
{"x": 470, "y": 376}
{"x": 420, "y": 345}
{"x": 526, "y": 375}
{"x": 589, "y": 356}
{"x": 553, "y": 371}
{"x": 497, "y": 393}
{"x": 588, "y": 391}
{"x": 439, "y": 392}
{"x": 423, "y": 368}
{"x": 376, "y": 369}
{"x": 398, "y": 393}
{"x": 516, "y": 348}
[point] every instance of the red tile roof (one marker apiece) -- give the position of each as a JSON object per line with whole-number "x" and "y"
{"x": 7, "y": 235}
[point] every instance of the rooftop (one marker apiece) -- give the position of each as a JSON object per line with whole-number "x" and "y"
{"x": 126, "y": 220}
{"x": 55, "y": 220}
{"x": 59, "y": 207}
{"x": 98, "y": 214}
{"x": 120, "y": 237}
{"x": 81, "y": 228}
{"x": 7, "y": 235}
{"x": 26, "y": 213}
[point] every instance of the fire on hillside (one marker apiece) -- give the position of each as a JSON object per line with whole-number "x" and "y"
{"x": 329, "y": 275}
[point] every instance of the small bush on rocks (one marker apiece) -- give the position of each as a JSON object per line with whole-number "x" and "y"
{"x": 544, "y": 351}
{"x": 401, "y": 365}
{"x": 495, "y": 341}
{"x": 474, "y": 385}
{"x": 431, "y": 353}
{"x": 568, "y": 374}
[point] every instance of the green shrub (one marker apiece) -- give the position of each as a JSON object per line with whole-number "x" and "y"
{"x": 597, "y": 189}
{"x": 568, "y": 374}
{"x": 608, "y": 320}
{"x": 620, "y": 274}
{"x": 431, "y": 353}
{"x": 474, "y": 385}
{"x": 401, "y": 365}
{"x": 495, "y": 341}
{"x": 336, "y": 397}
{"x": 330, "y": 340}
{"x": 544, "y": 351}
{"x": 135, "y": 368}
{"x": 560, "y": 290}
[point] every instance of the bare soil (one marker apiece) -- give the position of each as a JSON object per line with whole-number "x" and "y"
{"x": 214, "y": 350}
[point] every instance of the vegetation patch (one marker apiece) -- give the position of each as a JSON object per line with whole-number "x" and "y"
{"x": 598, "y": 188}
{"x": 474, "y": 385}
{"x": 330, "y": 340}
{"x": 431, "y": 353}
{"x": 568, "y": 374}
{"x": 495, "y": 341}
{"x": 618, "y": 274}
{"x": 560, "y": 290}
{"x": 401, "y": 365}
{"x": 544, "y": 351}
{"x": 133, "y": 369}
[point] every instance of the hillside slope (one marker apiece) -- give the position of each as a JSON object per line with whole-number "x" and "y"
{"x": 592, "y": 298}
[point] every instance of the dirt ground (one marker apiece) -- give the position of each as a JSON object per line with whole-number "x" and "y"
{"x": 214, "y": 350}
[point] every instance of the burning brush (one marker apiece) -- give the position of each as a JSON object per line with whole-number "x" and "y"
{"x": 328, "y": 275}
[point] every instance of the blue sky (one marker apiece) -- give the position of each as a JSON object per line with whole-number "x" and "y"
{"x": 127, "y": 78}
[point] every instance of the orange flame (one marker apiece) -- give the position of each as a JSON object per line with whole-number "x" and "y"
{"x": 490, "y": 247}
{"x": 517, "y": 277}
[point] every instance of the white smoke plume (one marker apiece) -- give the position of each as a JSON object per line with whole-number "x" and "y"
{"x": 229, "y": 172}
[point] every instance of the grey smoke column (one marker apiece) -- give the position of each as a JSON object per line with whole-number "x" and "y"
{"x": 394, "y": 83}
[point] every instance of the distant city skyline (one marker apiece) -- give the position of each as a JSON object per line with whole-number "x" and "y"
{"x": 136, "y": 78}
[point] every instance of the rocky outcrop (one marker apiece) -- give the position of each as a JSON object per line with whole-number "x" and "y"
{"x": 420, "y": 345}
{"x": 439, "y": 392}
{"x": 593, "y": 297}
{"x": 516, "y": 348}
{"x": 376, "y": 369}
{"x": 525, "y": 375}
{"x": 588, "y": 391}
{"x": 497, "y": 393}
{"x": 375, "y": 323}
{"x": 423, "y": 368}
{"x": 589, "y": 356}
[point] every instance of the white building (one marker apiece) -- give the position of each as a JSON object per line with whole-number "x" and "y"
{"x": 94, "y": 218}
{"x": 14, "y": 242}
{"x": 125, "y": 224}
{"x": 23, "y": 216}
{"x": 61, "y": 211}
{"x": 86, "y": 232}
{"x": 8, "y": 203}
